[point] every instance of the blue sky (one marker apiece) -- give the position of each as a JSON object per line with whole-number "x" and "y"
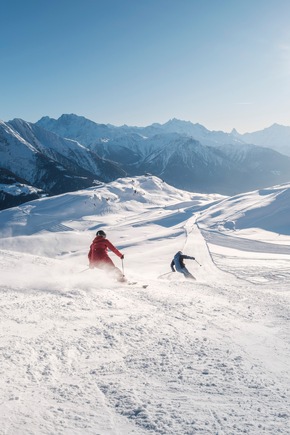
{"x": 222, "y": 63}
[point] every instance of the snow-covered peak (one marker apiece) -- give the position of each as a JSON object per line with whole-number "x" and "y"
{"x": 124, "y": 195}
{"x": 276, "y": 137}
{"x": 77, "y": 128}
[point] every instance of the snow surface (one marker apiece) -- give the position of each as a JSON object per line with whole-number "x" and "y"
{"x": 82, "y": 354}
{"x": 18, "y": 189}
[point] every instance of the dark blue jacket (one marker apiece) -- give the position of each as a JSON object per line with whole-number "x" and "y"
{"x": 178, "y": 261}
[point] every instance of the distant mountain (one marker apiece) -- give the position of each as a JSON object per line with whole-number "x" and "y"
{"x": 72, "y": 153}
{"x": 226, "y": 170}
{"x": 77, "y": 128}
{"x": 88, "y": 132}
{"x": 49, "y": 162}
{"x": 276, "y": 137}
{"x": 185, "y": 155}
{"x": 196, "y": 131}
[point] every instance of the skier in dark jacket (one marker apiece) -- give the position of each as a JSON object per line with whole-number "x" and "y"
{"x": 178, "y": 264}
{"x": 98, "y": 255}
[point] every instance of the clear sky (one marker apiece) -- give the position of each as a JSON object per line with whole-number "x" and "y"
{"x": 222, "y": 63}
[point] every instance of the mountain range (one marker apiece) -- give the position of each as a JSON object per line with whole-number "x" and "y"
{"x": 54, "y": 156}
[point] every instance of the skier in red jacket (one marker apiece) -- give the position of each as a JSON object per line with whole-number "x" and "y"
{"x": 98, "y": 255}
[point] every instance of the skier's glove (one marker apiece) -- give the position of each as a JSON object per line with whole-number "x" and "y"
{"x": 122, "y": 258}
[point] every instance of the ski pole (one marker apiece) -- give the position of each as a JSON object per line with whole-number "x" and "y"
{"x": 84, "y": 270}
{"x": 123, "y": 267}
{"x": 197, "y": 261}
{"x": 164, "y": 274}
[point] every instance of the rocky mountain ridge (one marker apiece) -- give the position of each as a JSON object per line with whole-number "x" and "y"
{"x": 72, "y": 153}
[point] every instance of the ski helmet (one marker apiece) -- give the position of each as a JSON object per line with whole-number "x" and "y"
{"x": 101, "y": 233}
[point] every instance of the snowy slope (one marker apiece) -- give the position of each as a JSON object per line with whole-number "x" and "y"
{"x": 81, "y": 354}
{"x": 15, "y": 191}
{"x": 265, "y": 209}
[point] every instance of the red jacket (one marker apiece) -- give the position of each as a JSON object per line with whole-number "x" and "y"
{"x": 99, "y": 251}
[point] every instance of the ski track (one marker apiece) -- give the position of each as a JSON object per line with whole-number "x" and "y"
{"x": 82, "y": 356}
{"x": 78, "y": 351}
{"x": 83, "y": 364}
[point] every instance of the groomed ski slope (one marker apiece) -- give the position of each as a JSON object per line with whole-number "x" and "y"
{"x": 81, "y": 354}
